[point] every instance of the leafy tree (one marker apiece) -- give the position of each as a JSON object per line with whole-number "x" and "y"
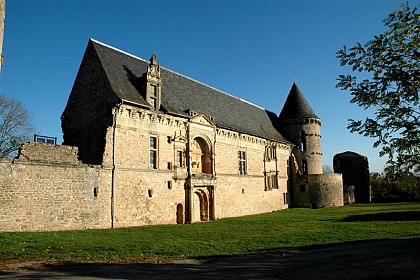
{"x": 15, "y": 126}
{"x": 389, "y": 70}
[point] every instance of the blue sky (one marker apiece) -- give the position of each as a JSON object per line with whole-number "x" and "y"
{"x": 253, "y": 49}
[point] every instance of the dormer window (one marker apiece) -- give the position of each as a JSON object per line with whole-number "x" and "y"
{"x": 153, "y": 96}
{"x": 153, "y": 83}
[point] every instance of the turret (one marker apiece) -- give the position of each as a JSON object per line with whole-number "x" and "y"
{"x": 300, "y": 125}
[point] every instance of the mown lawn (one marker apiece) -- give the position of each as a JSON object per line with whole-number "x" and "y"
{"x": 282, "y": 230}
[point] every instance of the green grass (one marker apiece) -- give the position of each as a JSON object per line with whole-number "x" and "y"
{"x": 277, "y": 231}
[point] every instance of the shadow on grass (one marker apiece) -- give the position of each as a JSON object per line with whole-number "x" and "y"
{"x": 385, "y": 216}
{"x": 326, "y": 264}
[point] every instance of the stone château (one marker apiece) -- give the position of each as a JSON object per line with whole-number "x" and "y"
{"x": 146, "y": 145}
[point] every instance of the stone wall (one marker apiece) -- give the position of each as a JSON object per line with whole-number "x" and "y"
{"x": 326, "y": 190}
{"x": 355, "y": 170}
{"x": 37, "y": 193}
{"x": 318, "y": 191}
{"x": 48, "y": 188}
{"x": 144, "y": 195}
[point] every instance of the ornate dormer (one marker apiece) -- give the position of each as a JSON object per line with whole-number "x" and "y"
{"x": 153, "y": 83}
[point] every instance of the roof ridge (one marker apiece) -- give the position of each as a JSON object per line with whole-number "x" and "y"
{"x": 117, "y": 49}
{"x": 179, "y": 74}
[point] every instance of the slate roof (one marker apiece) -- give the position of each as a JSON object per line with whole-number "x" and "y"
{"x": 181, "y": 93}
{"x": 296, "y": 106}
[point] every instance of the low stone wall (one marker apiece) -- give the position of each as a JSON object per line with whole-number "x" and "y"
{"x": 326, "y": 190}
{"x": 47, "y": 188}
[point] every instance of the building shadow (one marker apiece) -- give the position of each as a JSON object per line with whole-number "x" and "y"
{"x": 385, "y": 216}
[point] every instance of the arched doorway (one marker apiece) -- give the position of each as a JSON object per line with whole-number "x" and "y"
{"x": 201, "y": 162}
{"x": 180, "y": 213}
{"x": 201, "y": 206}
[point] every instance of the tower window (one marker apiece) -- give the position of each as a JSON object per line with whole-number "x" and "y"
{"x": 305, "y": 167}
{"x": 302, "y": 141}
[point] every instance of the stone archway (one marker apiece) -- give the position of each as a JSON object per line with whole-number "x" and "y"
{"x": 201, "y": 160}
{"x": 200, "y": 206}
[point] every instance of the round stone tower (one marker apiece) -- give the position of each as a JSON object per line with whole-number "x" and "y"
{"x": 300, "y": 125}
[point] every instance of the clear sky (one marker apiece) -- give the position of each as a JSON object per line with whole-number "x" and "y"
{"x": 253, "y": 49}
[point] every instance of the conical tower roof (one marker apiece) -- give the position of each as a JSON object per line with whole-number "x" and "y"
{"x": 296, "y": 106}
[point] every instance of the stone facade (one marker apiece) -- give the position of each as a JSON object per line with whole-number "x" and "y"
{"x": 206, "y": 189}
{"x": 144, "y": 145}
{"x": 47, "y": 188}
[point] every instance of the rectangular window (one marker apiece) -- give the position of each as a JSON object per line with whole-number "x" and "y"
{"x": 285, "y": 198}
{"x": 267, "y": 152}
{"x": 153, "y": 152}
{"x": 179, "y": 161}
{"x": 154, "y": 96}
{"x": 275, "y": 182}
{"x": 154, "y": 91}
{"x": 273, "y": 152}
{"x": 242, "y": 162}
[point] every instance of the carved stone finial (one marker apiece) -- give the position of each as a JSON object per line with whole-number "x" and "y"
{"x": 154, "y": 68}
{"x": 154, "y": 60}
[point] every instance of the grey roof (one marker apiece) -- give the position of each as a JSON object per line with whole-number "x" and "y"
{"x": 181, "y": 93}
{"x": 296, "y": 106}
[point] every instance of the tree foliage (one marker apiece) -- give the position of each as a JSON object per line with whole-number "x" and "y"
{"x": 390, "y": 67}
{"x": 405, "y": 187}
{"x": 15, "y": 125}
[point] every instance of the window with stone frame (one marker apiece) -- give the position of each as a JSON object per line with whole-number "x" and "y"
{"x": 153, "y": 152}
{"x": 179, "y": 159}
{"x": 153, "y": 96}
{"x": 275, "y": 181}
{"x": 270, "y": 152}
{"x": 242, "y": 162}
{"x": 271, "y": 181}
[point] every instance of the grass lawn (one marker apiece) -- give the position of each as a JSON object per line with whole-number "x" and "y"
{"x": 281, "y": 230}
